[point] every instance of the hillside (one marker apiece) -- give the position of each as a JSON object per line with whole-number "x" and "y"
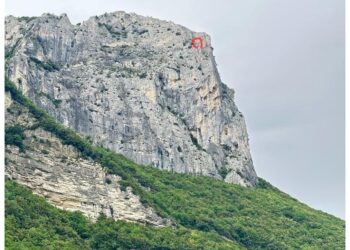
{"x": 198, "y": 212}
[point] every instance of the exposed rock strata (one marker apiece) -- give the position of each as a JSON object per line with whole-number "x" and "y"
{"x": 59, "y": 174}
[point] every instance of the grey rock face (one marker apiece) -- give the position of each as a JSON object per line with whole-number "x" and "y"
{"x": 135, "y": 85}
{"x": 59, "y": 174}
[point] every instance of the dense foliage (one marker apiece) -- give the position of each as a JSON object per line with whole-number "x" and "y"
{"x": 259, "y": 218}
{"x": 31, "y": 223}
{"x": 14, "y": 135}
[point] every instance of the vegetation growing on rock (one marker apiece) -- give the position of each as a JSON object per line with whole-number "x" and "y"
{"x": 206, "y": 212}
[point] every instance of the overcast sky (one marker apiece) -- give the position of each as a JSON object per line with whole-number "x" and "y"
{"x": 285, "y": 60}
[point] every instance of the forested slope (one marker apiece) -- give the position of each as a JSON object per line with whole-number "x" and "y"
{"x": 206, "y": 213}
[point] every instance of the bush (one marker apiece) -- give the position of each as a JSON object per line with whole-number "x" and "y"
{"x": 195, "y": 142}
{"x": 223, "y": 171}
{"x": 26, "y": 19}
{"x": 14, "y": 135}
{"x": 49, "y": 65}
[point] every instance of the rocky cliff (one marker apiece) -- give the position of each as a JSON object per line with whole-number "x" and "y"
{"x": 60, "y": 174}
{"x": 135, "y": 85}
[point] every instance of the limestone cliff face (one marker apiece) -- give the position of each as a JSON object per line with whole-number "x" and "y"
{"x": 135, "y": 85}
{"x": 58, "y": 173}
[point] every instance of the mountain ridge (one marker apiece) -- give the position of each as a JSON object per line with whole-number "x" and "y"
{"x": 119, "y": 135}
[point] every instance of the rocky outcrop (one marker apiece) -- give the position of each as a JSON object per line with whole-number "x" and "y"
{"x": 135, "y": 85}
{"x": 58, "y": 173}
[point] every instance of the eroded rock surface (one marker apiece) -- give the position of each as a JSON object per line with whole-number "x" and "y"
{"x": 135, "y": 85}
{"x": 58, "y": 173}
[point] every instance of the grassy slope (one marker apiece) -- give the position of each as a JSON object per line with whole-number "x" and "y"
{"x": 261, "y": 218}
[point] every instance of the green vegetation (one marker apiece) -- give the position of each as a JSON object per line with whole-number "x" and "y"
{"x": 216, "y": 212}
{"x": 9, "y": 53}
{"x": 55, "y": 102}
{"x": 115, "y": 33}
{"x": 195, "y": 142}
{"x": 49, "y": 65}
{"x": 223, "y": 171}
{"x": 31, "y": 223}
{"x": 14, "y": 135}
{"x": 26, "y": 19}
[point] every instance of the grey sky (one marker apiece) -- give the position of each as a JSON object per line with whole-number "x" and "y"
{"x": 285, "y": 60}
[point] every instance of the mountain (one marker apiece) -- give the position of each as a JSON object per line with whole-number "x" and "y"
{"x": 135, "y": 85}
{"x": 172, "y": 210}
{"x": 119, "y": 135}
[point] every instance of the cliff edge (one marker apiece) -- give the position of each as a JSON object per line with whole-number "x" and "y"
{"x": 136, "y": 86}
